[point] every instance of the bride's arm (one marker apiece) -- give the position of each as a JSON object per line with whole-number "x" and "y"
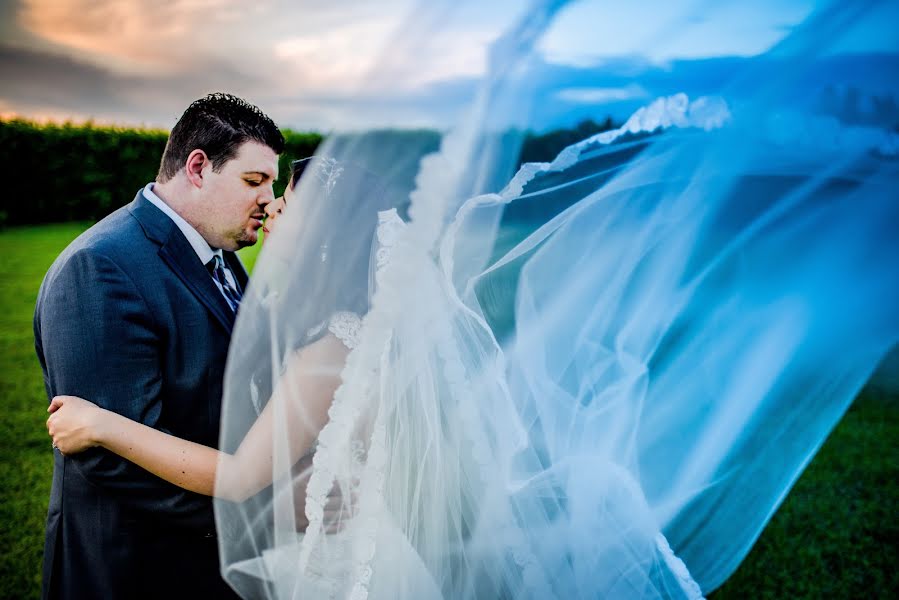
{"x": 77, "y": 425}
{"x": 300, "y": 402}
{"x": 299, "y": 405}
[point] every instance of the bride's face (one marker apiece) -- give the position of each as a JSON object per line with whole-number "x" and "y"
{"x": 275, "y": 209}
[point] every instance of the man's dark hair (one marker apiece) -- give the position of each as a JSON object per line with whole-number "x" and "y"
{"x": 217, "y": 124}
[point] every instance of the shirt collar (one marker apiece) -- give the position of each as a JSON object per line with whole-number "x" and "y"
{"x": 204, "y": 251}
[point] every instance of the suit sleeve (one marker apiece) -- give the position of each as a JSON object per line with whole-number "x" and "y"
{"x": 97, "y": 340}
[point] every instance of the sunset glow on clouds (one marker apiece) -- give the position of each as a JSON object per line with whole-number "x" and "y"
{"x": 343, "y": 64}
{"x": 130, "y": 35}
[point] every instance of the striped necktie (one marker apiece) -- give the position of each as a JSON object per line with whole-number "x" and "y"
{"x": 217, "y": 270}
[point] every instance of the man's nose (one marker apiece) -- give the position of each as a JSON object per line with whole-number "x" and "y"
{"x": 266, "y": 197}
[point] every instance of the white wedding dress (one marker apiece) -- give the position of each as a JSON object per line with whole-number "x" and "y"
{"x": 341, "y": 565}
{"x": 394, "y": 570}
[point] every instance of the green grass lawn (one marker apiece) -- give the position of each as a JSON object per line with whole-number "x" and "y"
{"x": 834, "y": 537}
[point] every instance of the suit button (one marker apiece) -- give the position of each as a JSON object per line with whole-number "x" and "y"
{"x": 208, "y": 535}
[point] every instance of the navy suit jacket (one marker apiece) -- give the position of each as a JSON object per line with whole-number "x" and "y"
{"x": 129, "y": 318}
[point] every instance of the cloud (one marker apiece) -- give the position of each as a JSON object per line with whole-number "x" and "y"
{"x": 133, "y": 35}
{"x": 53, "y": 81}
{"x": 300, "y": 48}
{"x": 142, "y": 60}
{"x": 48, "y": 84}
{"x": 51, "y": 84}
{"x": 346, "y": 65}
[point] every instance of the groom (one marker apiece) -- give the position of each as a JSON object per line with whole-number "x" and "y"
{"x": 136, "y": 315}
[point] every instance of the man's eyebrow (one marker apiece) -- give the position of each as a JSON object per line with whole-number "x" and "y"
{"x": 262, "y": 173}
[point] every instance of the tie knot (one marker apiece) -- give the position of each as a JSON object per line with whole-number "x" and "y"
{"x": 214, "y": 263}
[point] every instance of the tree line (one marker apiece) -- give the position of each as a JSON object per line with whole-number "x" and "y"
{"x": 67, "y": 172}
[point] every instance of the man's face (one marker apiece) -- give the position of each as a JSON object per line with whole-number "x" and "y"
{"x": 234, "y": 199}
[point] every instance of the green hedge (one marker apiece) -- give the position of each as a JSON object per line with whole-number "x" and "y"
{"x": 59, "y": 173}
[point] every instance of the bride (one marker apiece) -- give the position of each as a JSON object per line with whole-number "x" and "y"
{"x": 600, "y": 381}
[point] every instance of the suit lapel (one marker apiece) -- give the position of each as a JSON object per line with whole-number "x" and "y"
{"x": 179, "y": 255}
{"x": 182, "y": 259}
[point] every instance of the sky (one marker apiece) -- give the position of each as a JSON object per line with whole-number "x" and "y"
{"x": 351, "y": 64}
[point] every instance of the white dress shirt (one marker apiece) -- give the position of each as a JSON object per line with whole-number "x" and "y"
{"x": 204, "y": 251}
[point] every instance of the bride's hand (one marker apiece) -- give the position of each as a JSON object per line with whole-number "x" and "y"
{"x": 337, "y": 508}
{"x": 74, "y": 424}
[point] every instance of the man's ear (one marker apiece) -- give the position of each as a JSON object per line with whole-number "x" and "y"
{"x": 196, "y": 162}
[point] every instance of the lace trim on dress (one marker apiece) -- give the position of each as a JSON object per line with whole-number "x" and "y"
{"x": 371, "y": 485}
{"x": 335, "y": 438}
{"x": 677, "y": 566}
{"x": 390, "y": 225}
{"x": 346, "y": 326}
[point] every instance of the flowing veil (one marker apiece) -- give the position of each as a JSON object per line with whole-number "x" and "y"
{"x": 593, "y": 377}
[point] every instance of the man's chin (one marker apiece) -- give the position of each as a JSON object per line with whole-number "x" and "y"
{"x": 247, "y": 238}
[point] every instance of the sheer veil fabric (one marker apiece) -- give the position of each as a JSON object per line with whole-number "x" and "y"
{"x": 594, "y": 377}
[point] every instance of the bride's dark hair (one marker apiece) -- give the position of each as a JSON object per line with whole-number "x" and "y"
{"x": 340, "y": 203}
